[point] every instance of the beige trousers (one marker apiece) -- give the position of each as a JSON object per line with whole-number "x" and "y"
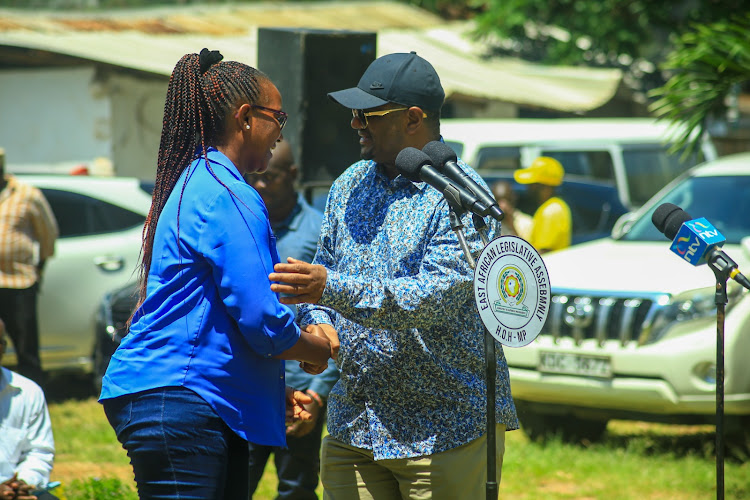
{"x": 349, "y": 473}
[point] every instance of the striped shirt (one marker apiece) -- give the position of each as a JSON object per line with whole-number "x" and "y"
{"x": 400, "y": 294}
{"x": 27, "y": 233}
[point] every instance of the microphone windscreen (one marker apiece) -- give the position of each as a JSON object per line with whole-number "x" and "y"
{"x": 668, "y": 218}
{"x": 409, "y": 163}
{"x": 439, "y": 153}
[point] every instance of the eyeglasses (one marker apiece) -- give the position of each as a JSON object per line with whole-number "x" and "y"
{"x": 267, "y": 177}
{"x": 279, "y": 115}
{"x": 360, "y": 114}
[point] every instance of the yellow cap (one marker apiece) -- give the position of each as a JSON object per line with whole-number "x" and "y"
{"x": 543, "y": 170}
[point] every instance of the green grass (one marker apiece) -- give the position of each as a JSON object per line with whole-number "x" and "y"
{"x": 636, "y": 461}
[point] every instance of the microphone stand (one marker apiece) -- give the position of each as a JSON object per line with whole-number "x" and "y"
{"x": 491, "y": 490}
{"x": 722, "y": 270}
{"x": 455, "y": 212}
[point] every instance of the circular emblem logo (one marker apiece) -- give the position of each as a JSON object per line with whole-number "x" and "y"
{"x": 511, "y": 288}
{"x": 512, "y": 285}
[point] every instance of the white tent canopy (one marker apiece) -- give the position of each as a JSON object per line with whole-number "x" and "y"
{"x": 458, "y": 60}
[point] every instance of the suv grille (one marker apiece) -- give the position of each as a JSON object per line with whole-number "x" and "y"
{"x": 601, "y": 318}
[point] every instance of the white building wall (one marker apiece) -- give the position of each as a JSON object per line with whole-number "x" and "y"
{"x": 138, "y": 111}
{"x": 53, "y": 118}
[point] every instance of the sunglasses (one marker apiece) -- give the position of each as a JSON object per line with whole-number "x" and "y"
{"x": 279, "y": 115}
{"x": 361, "y": 115}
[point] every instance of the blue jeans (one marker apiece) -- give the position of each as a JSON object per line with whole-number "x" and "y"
{"x": 297, "y": 466}
{"x": 178, "y": 446}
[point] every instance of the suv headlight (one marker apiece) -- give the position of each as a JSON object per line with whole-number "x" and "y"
{"x": 687, "y": 306}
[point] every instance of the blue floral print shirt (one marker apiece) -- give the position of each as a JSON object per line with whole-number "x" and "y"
{"x": 400, "y": 294}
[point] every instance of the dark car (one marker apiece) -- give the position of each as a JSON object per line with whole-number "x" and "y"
{"x": 112, "y": 321}
{"x": 594, "y": 206}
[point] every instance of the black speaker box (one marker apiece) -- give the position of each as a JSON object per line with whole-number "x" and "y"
{"x": 306, "y": 65}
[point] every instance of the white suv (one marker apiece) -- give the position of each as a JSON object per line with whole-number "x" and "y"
{"x": 632, "y": 329}
{"x": 100, "y": 221}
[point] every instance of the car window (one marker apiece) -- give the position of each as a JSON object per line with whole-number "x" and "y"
{"x": 649, "y": 168}
{"x": 498, "y": 158}
{"x": 80, "y": 215}
{"x": 457, "y": 147}
{"x": 722, "y": 200}
{"x": 595, "y": 165}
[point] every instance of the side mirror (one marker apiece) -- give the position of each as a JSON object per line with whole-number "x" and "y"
{"x": 622, "y": 225}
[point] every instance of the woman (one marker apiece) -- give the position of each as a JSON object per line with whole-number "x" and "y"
{"x": 199, "y": 374}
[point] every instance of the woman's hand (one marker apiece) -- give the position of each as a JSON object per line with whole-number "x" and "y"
{"x": 310, "y": 368}
{"x": 333, "y": 337}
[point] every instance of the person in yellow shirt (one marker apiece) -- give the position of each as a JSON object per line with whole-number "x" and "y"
{"x": 515, "y": 223}
{"x": 551, "y": 225}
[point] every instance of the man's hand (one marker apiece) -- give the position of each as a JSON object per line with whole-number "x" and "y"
{"x": 295, "y": 409}
{"x": 16, "y": 489}
{"x": 304, "y": 282}
{"x": 7, "y": 492}
{"x": 304, "y": 427}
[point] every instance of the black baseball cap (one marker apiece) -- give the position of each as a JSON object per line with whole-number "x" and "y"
{"x": 401, "y": 78}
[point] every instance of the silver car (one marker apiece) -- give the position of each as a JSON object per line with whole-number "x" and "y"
{"x": 101, "y": 220}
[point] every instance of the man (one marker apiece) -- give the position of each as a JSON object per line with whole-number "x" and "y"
{"x": 408, "y": 415}
{"x": 551, "y": 225}
{"x": 27, "y": 239}
{"x": 27, "y": 447}
{"x": 515, "y": 223}
{"x": 296, "y": 226}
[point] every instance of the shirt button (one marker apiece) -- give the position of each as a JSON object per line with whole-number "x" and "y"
{"x": 364, "y": 370}
{"x": 363, "y": 336}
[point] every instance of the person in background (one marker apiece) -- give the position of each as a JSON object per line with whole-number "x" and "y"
{"x": 407, "y": 418}
{"x": 515, "y": 222}
{"x": 200, "y": 372}
{"x": 296, "y": 226}
{"x": 551, "y": 225}
{"x": 28, "y": 231}
{"x": 27, "y": 447}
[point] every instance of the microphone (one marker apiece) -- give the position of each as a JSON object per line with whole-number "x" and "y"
{"x": 696, "y": 241}
{"x": 445, "y": 160}
{"x": 417, "y": 167}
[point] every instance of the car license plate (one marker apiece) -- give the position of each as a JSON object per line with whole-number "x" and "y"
{"x": 575, "y": 364}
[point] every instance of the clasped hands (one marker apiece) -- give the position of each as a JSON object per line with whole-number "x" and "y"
{"x": 16, "y": 489}
{"x": 304, "y": 282}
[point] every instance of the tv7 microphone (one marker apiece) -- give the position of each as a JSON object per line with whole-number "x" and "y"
{"x": 695, "y": 241}
{"x": 445, "y": 161}
{"x": 417, "y": 167}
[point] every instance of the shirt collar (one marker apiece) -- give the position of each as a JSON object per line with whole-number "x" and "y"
{"x": 6, "y": 378}
{"x": 215, "y": 156}
{"x": 289, "y": 222}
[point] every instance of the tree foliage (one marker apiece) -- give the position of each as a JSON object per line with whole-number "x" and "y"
{"x": 706, "y": 64}
{"x": 594, "y": 32}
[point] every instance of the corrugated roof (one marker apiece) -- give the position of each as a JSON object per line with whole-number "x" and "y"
{"x": 152, "y": 40}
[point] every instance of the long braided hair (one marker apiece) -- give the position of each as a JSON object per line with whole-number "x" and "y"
{"x": 202, "y": 91}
